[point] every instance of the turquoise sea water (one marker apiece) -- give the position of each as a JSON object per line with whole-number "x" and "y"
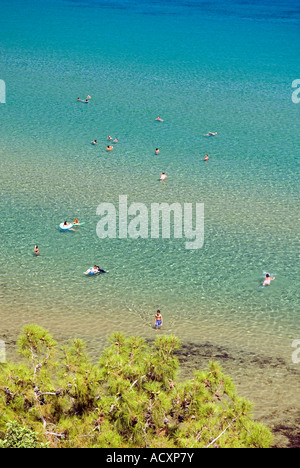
{"x": 219, "y": 66}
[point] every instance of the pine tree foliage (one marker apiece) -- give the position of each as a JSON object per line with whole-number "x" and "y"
{"x": 132, "y": 398}
{"x": 20, "y": 437}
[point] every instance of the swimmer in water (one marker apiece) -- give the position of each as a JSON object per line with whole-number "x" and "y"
{"x": 95, "y": 142}
{"x": 116, "y": 140}
{"x": 159, "y": 119}
{"x": 75, "y": 221}
{"x": 158, "y": 320}
{"x": 109, "y": 137}
{"x": 109, "y": 148}
{"x": 94, "y": 270}
{"x": 210, "y": 134}
{"x": 69, "y": 224}
{"x": 157, "y": 151}
{"x": 268, "y": 280}
{"x": 163, "y": 176}
{"x": 206, "y": 158}
{"x": 36, "y": 250}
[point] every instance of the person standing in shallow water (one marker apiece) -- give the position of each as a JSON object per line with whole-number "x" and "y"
{"x": 158, "y": 320}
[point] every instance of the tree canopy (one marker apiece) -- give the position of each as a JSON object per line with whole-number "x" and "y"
{"x": 132, "y": 398}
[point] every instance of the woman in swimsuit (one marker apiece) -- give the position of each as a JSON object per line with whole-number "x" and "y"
{"x": 268, "y": 280}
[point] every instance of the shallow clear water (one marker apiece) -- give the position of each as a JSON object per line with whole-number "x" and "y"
{"x": 225, "y": 67}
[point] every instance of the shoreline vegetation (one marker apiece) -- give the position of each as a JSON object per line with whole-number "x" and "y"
{"x": 56, "y": 398}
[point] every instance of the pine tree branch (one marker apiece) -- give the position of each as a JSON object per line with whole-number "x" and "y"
{"x": 223, "y": 432}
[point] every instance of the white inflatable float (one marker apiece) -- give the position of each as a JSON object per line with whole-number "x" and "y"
{"x": 92, "y": 271}
{"x": 65, "y": 227}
